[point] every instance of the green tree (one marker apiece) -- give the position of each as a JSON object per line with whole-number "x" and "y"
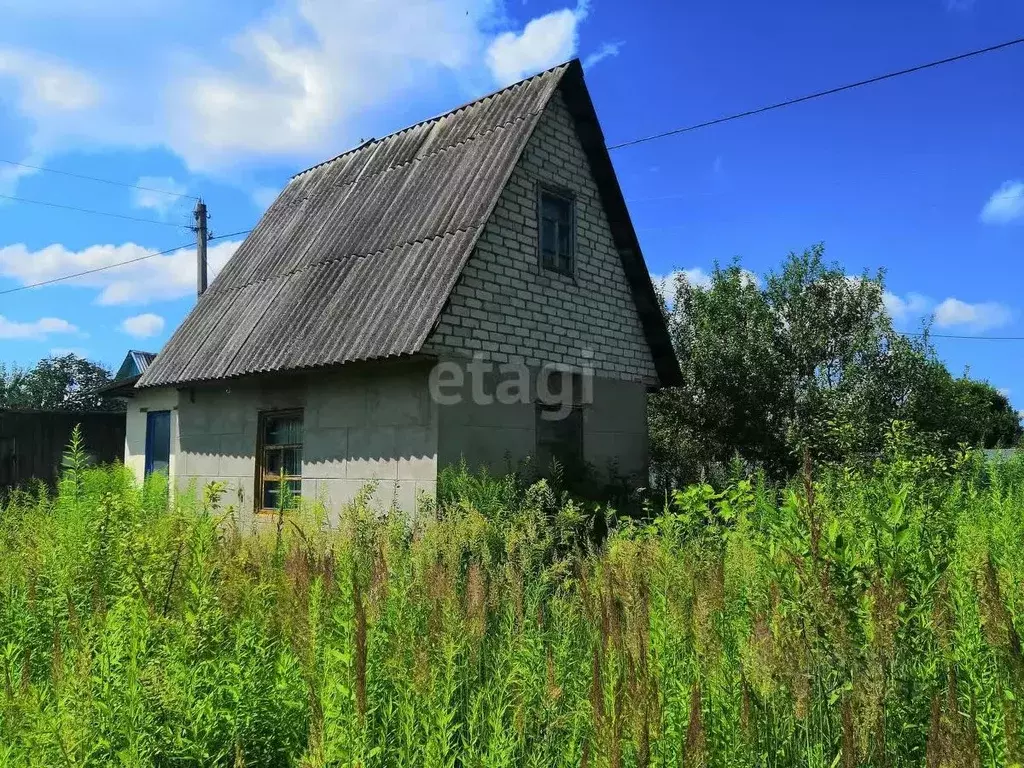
{"x": 734, "y": 378}
{"x": 966, "y": 410}
{"x": 61, "y": 383}
{"x": 808, "y": 361}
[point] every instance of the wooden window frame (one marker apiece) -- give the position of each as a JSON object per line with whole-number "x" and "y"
{"x": 261, "y": 457}
{"x": 569, "y": 197}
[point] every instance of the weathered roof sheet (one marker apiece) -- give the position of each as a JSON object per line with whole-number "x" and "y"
{"x": 357, "y": 256}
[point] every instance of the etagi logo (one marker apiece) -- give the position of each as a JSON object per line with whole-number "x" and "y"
{"x": 557, "y": 387}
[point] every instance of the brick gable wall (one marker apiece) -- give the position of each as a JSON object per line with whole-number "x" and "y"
{"x": 506, "y": 307}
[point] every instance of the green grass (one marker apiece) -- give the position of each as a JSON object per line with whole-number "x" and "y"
{"x": 856, "y": 619}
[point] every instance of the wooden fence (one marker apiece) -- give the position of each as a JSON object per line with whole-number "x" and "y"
{"x": 32, "y": 443}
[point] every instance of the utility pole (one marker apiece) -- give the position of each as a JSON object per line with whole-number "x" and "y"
{"x": 201, "y": 239}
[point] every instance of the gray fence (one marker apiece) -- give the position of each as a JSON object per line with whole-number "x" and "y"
{"x": 32, "y": 443}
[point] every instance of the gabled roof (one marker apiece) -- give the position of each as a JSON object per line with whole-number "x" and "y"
{"x": 123, "y": 384}
{"x": 357, "y": 257}
{"x": 135, "y": 364}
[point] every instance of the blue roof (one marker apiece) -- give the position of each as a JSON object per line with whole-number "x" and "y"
{"x": 135, "y": 364}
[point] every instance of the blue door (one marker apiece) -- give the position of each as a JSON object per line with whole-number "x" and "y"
{"x": 158, "y": 442}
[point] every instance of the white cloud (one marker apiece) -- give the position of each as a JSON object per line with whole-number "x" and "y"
{"x": 949, "y": 313}
{"x": 954, "y": 313}
{"x": 263, "y": 197}
{"x": 47, "y": 86}
{"x": 544, "y": 42}
{"x": 904, "y": 308}
{"x": 602, "y": 53}
{"x": 1005, "y": 205}
{"x": 35, "y": 330}
{"x": 153, "y": 196}
{"x": 160, "y": 278}
{"x": 697, "y": 277}
{"x": 10, "y": 175}
{"x": 300, "y": 79}
{"x": 143, "y": 326}
{"x": 301, "y": 82}
{"x": 666, "y": 284}
{"x": 82, "y": 9}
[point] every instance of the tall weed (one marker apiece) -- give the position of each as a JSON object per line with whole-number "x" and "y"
{"x": 855, "y": 618}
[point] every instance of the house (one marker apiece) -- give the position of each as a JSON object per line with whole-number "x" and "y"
{"x": 470, "y": 286}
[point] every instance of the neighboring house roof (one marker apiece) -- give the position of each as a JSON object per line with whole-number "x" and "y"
{"x": 357, "y": 257}
{"x": 135, "y": 364}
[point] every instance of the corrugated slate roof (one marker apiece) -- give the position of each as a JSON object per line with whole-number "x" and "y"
{"x": 358, "y": 255}
{"x": 136, "y": 362}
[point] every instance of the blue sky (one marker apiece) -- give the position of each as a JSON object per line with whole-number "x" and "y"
{"x": 923, "y": 175}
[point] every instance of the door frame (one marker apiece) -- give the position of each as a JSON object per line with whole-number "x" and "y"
{"x": 148, "y": 461}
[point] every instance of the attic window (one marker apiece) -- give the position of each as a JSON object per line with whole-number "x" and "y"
{"x": 557, "y": 231}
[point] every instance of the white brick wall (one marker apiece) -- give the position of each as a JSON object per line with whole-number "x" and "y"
{"x": 508, "y": 308}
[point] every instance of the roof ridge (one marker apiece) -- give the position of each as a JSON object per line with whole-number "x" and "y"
{"x": 466, "y": 105}
{"x": 446, "y": 148}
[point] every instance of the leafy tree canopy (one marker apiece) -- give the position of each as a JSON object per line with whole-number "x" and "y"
{"x": 59, "y": 383}
{"x": 806, "y": 360}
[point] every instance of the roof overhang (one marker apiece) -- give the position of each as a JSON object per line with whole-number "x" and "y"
{"x": 118, "y": 388}
{"x": 648, "y": 303}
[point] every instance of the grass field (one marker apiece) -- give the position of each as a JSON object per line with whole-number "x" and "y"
{"x": 853, "y": 619}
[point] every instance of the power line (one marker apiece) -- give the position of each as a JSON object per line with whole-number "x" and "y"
{"x": 711, "y": 193}
{"x": 967, "y": 338}
{"x": 819, "y": 94}
{"x": 92, "y": 271}
{"x": 97, "y": 178}
{"x": 111, "y": 266}
{"x": 229, "y": 235}
{"x": 94, "y": 213}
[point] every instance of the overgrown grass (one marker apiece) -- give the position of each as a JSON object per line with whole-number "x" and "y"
{"x": 849, "y": 620}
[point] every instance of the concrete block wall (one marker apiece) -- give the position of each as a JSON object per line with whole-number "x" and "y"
{"x": 509, "y": 309}
{"x": 499, "y": 436}
{"x": 373, "y": 424}
{"x": 492, "y": 435}
{"x": 615, "y": 428}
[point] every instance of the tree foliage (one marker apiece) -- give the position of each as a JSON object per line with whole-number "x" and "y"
{"x": 808, "y": 360}
{"x": 58, "y": 383}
